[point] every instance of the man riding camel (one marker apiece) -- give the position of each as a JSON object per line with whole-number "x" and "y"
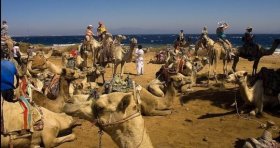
{"x": 4, "y": 29}
{"x": 249, "y": 44}
{"x": 89, "y": 33}
{"x": 220, "y": 32}
{"x": 101, "y": 31}
{"x": 204, "y": 32}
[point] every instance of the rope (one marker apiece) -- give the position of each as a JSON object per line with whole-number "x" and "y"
{"x": 263, "y": 125}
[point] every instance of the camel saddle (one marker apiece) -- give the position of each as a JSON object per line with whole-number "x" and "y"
{"x": 52, "y": 87}
{"x": 21, "y": 116}
{"x": 271, "y": 81}
{"x": 118, "y": 85}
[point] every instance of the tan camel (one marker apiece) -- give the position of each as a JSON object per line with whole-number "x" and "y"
{"x": 217, "y": 51}
{"x": 56, "y": 105}
{"x": 92, "y": 46}
{"x": 9, "y": 42}
{"x": 54, "y": 123}
{"x": 150, "y": 104}
{"x": 40, "y": 62}
{"x": 120, "y": 56}
{"x": 125, "y": 124}
{"x": 261, "y": 51}
{"x": 253, "y": 95}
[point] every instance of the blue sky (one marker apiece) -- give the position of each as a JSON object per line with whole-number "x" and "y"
{"x": 70, "y": 17}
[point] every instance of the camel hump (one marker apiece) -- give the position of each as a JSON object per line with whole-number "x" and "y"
{"x": 271, "y": 81}
{"x": 21, "y": 116}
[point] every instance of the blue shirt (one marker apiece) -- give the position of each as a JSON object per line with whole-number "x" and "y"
{"x": 220, "y": 33}
{"x": 8, "y": 71}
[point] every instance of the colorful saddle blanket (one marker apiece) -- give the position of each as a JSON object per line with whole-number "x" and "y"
{"x": 20, "y": 116}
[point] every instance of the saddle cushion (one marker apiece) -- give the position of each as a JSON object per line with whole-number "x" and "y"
{"x": 19, "y": 116}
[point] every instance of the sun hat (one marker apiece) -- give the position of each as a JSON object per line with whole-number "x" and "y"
{"x": 90, "y": 26}
{"x": 248, "y": 28}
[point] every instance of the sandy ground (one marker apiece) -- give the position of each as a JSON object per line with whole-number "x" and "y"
{"x": 205, "y": 119}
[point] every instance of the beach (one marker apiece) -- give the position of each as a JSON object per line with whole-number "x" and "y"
{"x": 203, "y": 118}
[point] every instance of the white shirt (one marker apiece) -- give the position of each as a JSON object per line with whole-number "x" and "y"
{"x": 139, "y": 54}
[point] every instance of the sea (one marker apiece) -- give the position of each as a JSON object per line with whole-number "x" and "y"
{"x": 147, "y": 40}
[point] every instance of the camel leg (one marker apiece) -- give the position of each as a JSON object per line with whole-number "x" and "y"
{"x": 255, "y": 67}
{"x": 234, "y": 64}
{"x": 122, "y": 68}
{"x": 50, "y": 140}
{"x": 225, "y": 67}
{"x": 160, "y": 112}
{"x": 215, "y": 68}
{"x": 115, "y": 66}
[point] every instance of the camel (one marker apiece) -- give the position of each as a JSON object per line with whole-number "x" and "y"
{"x": 253, "y": 95}
{"x": 119, "y": 55}
{"x": 125, "y": 125}
{"x": 40, "y": 62}
{"x": 92, "y": 46}
{"x": 127, "y": 129}
{"x": 216, "y": 51}
{"x": 56, "y": 105}
{"x": 150, "y": 105}
{"x": 239, "y": 52}
{"x": 54, "y": 123}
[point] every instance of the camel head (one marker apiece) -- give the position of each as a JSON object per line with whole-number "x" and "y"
{"x": 113, "y": 107}
{"x": 133, "y": 42}
{"x": 236, "y": 77}
{"x": 179, "y": 80}
{"x": 119, "y": 38}
{"x": 80, "y": 107}
{"x": 71, "y": 74}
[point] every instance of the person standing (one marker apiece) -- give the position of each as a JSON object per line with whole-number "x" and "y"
{"x": 8, "y": 72}
{"x": 139, "y": 60}
{"x": 16, "y": 53}
{"x": 101, "y": 31}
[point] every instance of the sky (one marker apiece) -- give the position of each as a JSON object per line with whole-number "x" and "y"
{"x": 70, "y": 17}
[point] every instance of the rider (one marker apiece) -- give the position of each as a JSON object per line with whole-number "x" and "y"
{"x": 101, "y": 31}
{"x": 8, "y": 72}
{"x": 222, "y": 36}
{"x": 4, "y": 28}
{"x": 248, "y": 40}
{"x": 181, "y": 36}
{"x": 89, "y": 33}
{"x": 204, "y": 32}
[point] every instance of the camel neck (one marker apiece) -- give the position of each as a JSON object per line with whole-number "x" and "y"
{"x": 245, "y": 91}
{"x": 63, "y": 89}
{"x": 131, "y": 134}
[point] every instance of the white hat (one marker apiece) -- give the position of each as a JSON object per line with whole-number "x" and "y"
{"x": 220, "y": 24}
{"x": 90, "y": 26}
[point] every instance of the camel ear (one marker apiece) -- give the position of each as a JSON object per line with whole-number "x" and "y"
{"x": 124, "y": 103}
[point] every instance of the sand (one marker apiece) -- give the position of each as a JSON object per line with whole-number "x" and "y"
{"x": 205, "y": 118}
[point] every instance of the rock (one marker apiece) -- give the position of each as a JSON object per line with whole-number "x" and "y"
{"x": 205, "y": 138}
{"x": 188, "y": 120}
{"x": 252, "y": 113}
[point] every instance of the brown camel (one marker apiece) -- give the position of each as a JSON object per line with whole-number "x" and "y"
{"x": 56, "y": 105}
{"x": 261, "y": 51}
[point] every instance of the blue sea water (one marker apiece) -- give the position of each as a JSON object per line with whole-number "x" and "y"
{"x": 150, "y": 40}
